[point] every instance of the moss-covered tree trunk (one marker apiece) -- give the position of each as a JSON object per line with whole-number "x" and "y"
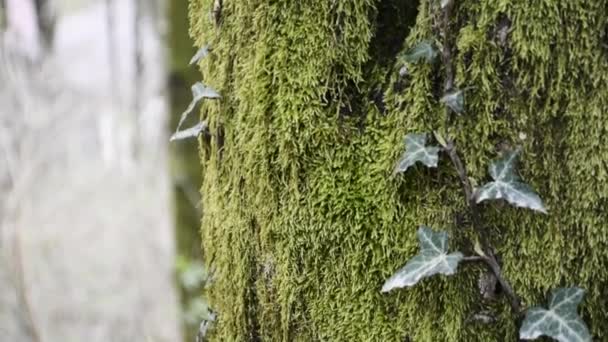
{"x": 303, "y": 220}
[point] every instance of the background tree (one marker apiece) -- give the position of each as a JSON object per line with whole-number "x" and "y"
{"x": 303, "y": 219}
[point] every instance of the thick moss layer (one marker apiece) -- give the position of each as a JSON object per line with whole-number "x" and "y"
{"x": 302, "y": 219}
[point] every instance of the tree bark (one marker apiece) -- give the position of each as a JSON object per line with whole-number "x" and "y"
{"x": 303, "y": 221}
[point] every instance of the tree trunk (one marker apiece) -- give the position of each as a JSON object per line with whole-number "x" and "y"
{"x": 303, "y": 219}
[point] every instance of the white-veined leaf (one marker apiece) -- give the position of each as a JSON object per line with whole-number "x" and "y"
{"x": 417, "y": 151}
{"x": 508, "y": 186}
{"x": 200, "y": 54}
{"x": 191, "y": 132}
{"x": 432, "y": 259}
{"x": 560, "y": 321}
{"x": 422, "y": 51}
{"x": 454, "y": 100}
{"x": 199, "y": 92}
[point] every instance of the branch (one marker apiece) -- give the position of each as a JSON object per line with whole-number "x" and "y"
{"x": 473, "y": 258}
{"x": 450, "y": 148}
{"x": 489, "y": 258}
{"x": 491, "y": 262}
{"x": 504, "y": 284}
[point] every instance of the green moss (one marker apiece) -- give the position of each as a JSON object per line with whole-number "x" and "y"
{"x": 302, "y": 219}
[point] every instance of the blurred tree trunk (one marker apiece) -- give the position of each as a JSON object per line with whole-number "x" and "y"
{"x": 303, "y": 221}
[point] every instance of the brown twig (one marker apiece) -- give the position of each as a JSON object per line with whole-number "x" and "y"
{"x": 473, "y": 258}
{"x": 489, "y": 258}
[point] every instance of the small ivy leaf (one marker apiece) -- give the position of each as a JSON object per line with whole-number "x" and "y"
{"x": 508, "y": 186}
{"x": 200, "y": 54}
{"x": 422, "y": 51}
{"x": 454, "y": 100}
{"x": 191, "y": 132}
{"x": 417, "y": 151}
{"x": 432, "y": 259}
{"x": 440, "y": 139}
{"x": 203, "y": 328}
{"x": 560, "y": 321}
{"x": 199, "y": 92}
{"x": 478, "y": 249}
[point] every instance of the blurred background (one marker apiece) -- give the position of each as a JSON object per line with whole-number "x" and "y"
{"x": 99, "y": 214}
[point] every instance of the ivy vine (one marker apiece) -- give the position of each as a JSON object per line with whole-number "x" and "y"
{"x": 560, "y": 320}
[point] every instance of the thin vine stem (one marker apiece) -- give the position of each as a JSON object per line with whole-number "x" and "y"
{"x": 489, "y": 258}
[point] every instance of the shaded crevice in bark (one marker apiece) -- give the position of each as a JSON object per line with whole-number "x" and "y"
{"x": 392, "y": 21}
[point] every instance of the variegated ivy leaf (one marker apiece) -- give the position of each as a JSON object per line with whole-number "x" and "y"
{"x": 422, "y": 51}
{"x": 191, "y": 132}
{"x": 560, "y": 321}
{"x": 432, "y": 259}
{"x": 199, "y": 92}
{"x": 200, "y": 54}
{"x": 454, "y": 100}
{"x": 508, "y": 186}
{"x": 417, "y": 151}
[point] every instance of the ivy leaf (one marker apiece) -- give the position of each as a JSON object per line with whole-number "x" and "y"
{"x": 508, "y": 186}
{"x": 560, "y": 321}
{"x": 454, "y": 100}
{"x": 200, "y": 54}
{"x": 422, "y": 51}
{"x": 199, "y": 92}
{"x": 432, "y": 259}
{"x": 191, "y": 132}
{"x": 440, "y": 139}
{"x": 417, "y": 151}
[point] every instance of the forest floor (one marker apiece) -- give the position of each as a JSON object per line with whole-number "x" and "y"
{"x": 86, "y": 236}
